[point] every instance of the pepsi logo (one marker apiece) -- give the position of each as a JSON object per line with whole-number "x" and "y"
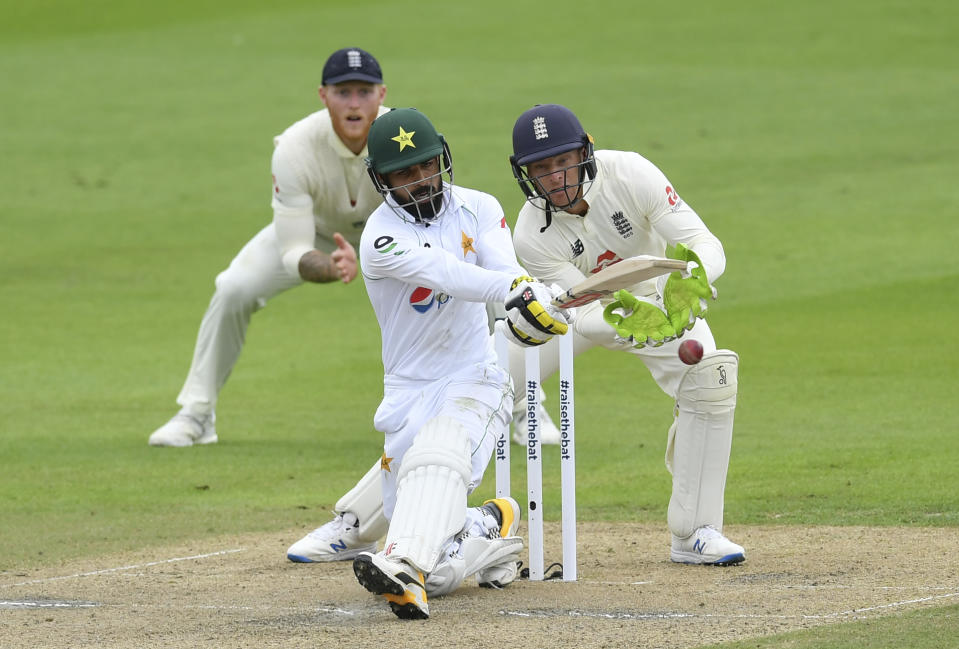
{"x": 422, "y": 299}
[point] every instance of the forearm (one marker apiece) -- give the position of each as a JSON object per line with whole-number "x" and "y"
{"x": 318, "y": 267}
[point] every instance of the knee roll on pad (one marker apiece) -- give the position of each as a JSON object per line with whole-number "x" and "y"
{"x": 430, "y": 493}
{"x": 711, "y": 384}
{"x": 697, "y": 451}
{"x": 443, "y": 441}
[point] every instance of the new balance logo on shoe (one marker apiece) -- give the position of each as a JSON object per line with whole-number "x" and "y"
{"x": 699, "y": 546}
{"x": 338, "y": 547}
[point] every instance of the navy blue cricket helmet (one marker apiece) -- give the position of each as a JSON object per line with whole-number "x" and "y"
{"x": 541, "y": 132}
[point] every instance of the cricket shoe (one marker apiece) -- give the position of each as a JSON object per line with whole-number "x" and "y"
{"x": 707, "y": 546}
{"x": 548, "y": 433}
{"x": 185, "y": 430}
{"x": 338, "y": 540}
{"x": 502, "y": 518}
{"x": 399, "y": 583}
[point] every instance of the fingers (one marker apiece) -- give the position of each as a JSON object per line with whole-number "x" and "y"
{"x": 530, "y": 316}
{"x": 345, "y": 266}
{"x": 344, "y": 259}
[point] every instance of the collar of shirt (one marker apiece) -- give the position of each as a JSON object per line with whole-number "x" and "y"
{"x": 341, "y": 150}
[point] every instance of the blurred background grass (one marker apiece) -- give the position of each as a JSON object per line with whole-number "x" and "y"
{"x": 817, "y": 140}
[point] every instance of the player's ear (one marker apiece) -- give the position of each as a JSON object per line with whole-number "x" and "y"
{"x": 382, "y": 93}
{"x": 322, "y": 92}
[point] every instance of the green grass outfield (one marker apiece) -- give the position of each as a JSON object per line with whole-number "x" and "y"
{"x": 819, "y": 140}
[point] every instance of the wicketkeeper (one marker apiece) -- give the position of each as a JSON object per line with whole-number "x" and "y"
{"x": 587, "y": 209}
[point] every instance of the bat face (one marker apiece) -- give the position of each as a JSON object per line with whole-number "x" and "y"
{"x": 620, "y": 275}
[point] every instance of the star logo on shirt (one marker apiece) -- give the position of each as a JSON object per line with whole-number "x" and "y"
{"x": 467, "y": 245}
{"x": 405, "y": 139}
{"x": 385, "y": 463}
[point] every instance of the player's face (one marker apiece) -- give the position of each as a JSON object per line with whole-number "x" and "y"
{"x": 353, "y": 106}
{"x": 417, "y": 183}
{"x": 558, "y": 178}
{"x": 418, "y": 189}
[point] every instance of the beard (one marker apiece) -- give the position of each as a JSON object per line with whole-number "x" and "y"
{"x": 425, "y": 203}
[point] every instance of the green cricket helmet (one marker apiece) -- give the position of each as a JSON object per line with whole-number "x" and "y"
{"x": 400, "y": 139}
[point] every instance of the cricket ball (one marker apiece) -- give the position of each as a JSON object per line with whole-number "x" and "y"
{"x": 690, "y": 351}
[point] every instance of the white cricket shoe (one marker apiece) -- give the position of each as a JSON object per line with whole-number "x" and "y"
{"x": 707, "y": 546}
{"x": 185, "y": 430}
{"x": 503, "y": 517}
{"x": 338, "y": 540}
{"x": 548, "y": 432}
{"x": 398, "y": 582}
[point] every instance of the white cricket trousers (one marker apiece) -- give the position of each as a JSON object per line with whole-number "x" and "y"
{"x": 478, "y": 396}
{"x": 254, "y": 276}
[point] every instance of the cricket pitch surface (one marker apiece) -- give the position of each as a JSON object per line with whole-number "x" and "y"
{"x": 240, "y": 591}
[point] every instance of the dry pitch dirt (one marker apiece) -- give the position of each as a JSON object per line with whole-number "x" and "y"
{"x": 239, "y": 591}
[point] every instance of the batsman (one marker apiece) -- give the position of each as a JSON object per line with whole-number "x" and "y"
{"x": 588, "y": 209}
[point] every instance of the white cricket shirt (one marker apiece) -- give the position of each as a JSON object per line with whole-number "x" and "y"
{"x": 633, "y": 210}
{"x": 319, "y": 187}
{"x": 428, "y": 285}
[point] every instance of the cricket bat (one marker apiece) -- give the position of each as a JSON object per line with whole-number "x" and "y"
{"x": 622, "y": 274}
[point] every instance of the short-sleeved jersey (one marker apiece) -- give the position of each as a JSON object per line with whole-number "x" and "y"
{"x": 429, "y": 284}
{"x": 633, "y": 210}
{"x": 319, "y": 187}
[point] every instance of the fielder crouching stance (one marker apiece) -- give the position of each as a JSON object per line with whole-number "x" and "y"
{"x": 432, "y": 256}
{"x": 588, "y": 209}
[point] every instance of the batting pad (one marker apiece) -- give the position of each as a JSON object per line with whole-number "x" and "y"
{"x": 365, "y": 501}
{"x": 697, "y": 451}
{"x": 430, "y": 494}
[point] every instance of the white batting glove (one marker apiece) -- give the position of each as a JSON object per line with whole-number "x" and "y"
{"x": 530, "y": 316}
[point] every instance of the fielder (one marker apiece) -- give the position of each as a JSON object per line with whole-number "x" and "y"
{"x": 587, "y": 209}
{"x": 321, "y": 199}
{"x": 433, "y": 255}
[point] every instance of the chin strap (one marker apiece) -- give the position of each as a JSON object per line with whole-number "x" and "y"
{"x": 549, "y": 218}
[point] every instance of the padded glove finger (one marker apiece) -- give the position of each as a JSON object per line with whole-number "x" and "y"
{"x": 530, "y": 316}
{"x": 638, "y": 319}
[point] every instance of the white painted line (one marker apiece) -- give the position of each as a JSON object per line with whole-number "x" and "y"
{"x": 624, "y": 615}
{"x": 919, "y": 600}
{"x": 36, "y": 604}
{"x": 133, "y": 567}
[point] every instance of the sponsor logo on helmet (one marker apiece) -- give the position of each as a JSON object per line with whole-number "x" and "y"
{"x": 405, "y": 139}
{"x": 539, "y": 128}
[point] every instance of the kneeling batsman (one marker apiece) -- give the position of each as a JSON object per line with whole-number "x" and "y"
{"x": 434, "y": 541}
{"x": 700, "y": 438}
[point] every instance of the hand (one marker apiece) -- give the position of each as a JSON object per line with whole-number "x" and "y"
{"x": 530, "y": 316}
{"x": 641, "y": 322}
{"x": 684, "y": 294}
{"x": 343, "y": 259}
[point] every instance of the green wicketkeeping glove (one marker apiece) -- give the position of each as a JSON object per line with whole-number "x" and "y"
{"x": 642, "y": 323}
{"x": 685, "y": 297}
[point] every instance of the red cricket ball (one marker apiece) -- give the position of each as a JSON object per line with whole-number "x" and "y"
{"x": 690, "y": 351}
